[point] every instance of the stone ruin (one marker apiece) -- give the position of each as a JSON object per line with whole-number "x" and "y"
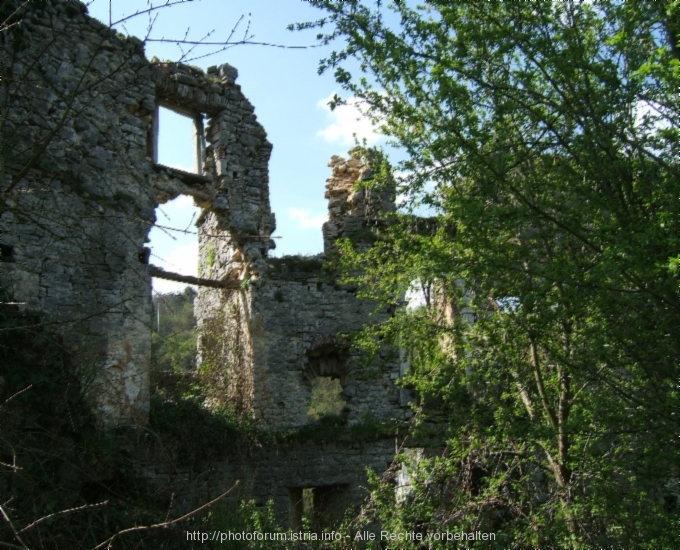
{"x": 292, "y": 315}
{"x": 81, "y": 182}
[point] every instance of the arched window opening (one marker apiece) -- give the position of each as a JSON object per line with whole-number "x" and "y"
{"x": 326, "y": 370}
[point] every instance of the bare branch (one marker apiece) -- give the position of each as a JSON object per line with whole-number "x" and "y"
{"x": 166, "y": 524}
{"x": 6, "y": 24}
{"x": 15, "y": 395}
{"x": 148, "y": 10}
{"x": 63, "y": 513}
{"x": 11, "y": 525}
{"x": 228, "y": 43}
{"x": 10, "y": 545}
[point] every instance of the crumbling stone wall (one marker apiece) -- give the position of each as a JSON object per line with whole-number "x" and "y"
{"x": 77, "y": 199}
{"x": 275, "y": 473}
{"x": 292, "y": 315}
{"x": 80, "y": 185}
{"x": 354, "y": 212}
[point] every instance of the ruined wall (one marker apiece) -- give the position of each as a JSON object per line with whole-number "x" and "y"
{"x": 74, "y": 224}
{"x": 301, "y": 313}
{"x": 291, "y": 316}
{"x": 273, "y": 473}
{"x": 234, "y": 192}
{"x": 80, "y": 185}
{"x": 354, "y": 212}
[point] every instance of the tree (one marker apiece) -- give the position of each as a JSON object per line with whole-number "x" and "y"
{"x": 173, "y": 343}
{"x": 544, "y": 136}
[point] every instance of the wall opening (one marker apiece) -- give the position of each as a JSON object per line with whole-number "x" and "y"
{"x": 178, "y": 139}
{"x": 327, "y": 398}
{"x": 173, "y": 339}
{"x": 6, "y": 253}
{"x": 173, "y": 242}
{"x": 318, "y": 508}
{"x": 326, "y": 370}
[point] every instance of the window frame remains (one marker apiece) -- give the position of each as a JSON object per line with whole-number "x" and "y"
{"x": 198, "y": 139}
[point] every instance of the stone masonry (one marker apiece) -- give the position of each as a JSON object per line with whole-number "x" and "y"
{"x": 80, "y": 183}
{"x": 77, "y": 196}
{"x": 285, "y": 327}
{"x": 80, "y": 186}
{"x": 352, "y": 211}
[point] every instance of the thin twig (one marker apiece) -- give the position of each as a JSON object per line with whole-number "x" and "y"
{"x": 148, "y": 10}
{"x": 225, "y": 237}
{"x": 11, "y": 525}
{"x": 6, "y": 24}
{"x": 17, "y": 394}
{"x": 63, "y": 513}
{"x": 172, "y": 500}
{"x": 237, "y": 43}
{"x": 166, "y": 524}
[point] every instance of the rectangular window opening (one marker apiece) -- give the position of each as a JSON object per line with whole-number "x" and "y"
{"x": 177, "y": 139}
{"x": 318, "y": 508}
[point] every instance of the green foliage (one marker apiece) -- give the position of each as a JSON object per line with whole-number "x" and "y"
{"x": 544, "y": 138}
{"x": 53, "y": 457}
{"x": 178, "y": 412}
{"x": 173, "y": 344}
{"x": 178, "y": 404}
{"x": 224, "y": 373}
{"x": 331, "y": 428}
{"x": 211, "y": 254}
{"x": 244, "y": 516}
{"x": 326, "y": 398}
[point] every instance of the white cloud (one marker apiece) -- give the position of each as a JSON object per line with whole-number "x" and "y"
{"x": 346, "y": 121}
{"x": 182, "y": 260}
{"x": 304, "y": 218}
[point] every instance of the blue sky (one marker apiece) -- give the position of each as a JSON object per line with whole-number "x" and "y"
{"x": 289, "y": 99}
